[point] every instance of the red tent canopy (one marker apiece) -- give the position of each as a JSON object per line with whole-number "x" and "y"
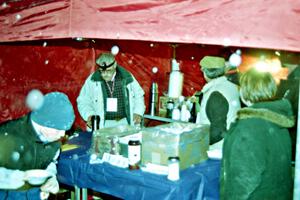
{"x": 273, "y": 24}
{"x": 37, "y": 52}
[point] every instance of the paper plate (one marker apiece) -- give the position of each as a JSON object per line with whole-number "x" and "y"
{"x": 37, "y": 176}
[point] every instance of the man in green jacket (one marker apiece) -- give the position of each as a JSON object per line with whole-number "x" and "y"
{"x": 29, "y": 146}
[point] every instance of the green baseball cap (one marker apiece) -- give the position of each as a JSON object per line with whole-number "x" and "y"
{"x": 209, "y": 62}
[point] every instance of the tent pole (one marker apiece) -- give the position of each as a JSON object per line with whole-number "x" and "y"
{"x": 297, "y": 159}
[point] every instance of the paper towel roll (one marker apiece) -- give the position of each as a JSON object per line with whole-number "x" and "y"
{"x": 175, "y": 84}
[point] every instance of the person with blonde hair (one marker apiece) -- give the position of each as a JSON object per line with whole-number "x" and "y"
{"x": 256, "y": 160}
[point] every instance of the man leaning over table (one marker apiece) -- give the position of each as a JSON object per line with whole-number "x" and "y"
{"x": 31, "y": 143}
{"x": 112, "y": 93}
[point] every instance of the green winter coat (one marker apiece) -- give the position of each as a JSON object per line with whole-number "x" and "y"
{"x": 20, "y": 147}
{"x": 257, "y": 154}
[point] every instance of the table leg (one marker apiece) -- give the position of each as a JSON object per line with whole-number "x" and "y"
{"x": 84, "y": 194}
{"x": 72, "y": 195}
{"x": 77, "y": 193}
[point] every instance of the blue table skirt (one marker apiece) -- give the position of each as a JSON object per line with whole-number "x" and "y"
{"x": 197, "y": 182}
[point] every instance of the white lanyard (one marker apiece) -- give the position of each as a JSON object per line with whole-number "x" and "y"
{"x": 111, "y": 90}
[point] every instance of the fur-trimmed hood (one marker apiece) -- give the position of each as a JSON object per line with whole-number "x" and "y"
{"x": 257, "y": 148}
{"x": 269, "y": 113}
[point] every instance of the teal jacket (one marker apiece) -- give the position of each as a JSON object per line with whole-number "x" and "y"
{"x": 91, "y": 98}
{"x": 256, "y": 160}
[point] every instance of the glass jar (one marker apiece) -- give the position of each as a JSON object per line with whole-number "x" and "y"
{"x": 134, "y": 154}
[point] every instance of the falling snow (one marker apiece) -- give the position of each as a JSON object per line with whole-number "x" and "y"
{"x": 75, "y": 157}
{"x": 18, "y": 17}
{"x": 15, "y": 156}
{"x": 4, "y": 5}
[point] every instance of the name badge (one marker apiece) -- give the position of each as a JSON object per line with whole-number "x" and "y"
{"x": 111, "y": 104}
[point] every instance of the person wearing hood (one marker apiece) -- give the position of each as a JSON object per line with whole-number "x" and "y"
{"x": 30, "y": 146}
{"x": 112, "y": 93}
{"x": 256, "y": 160}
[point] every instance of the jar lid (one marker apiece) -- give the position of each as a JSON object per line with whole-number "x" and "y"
{"x": 134, "y": 142}
{"x": 173, "y": 158}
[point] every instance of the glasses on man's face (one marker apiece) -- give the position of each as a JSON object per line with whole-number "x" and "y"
{"x": 109, "y": 71}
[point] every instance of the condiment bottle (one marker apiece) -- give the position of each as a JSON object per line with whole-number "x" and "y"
{"x": 170, "y": 107}
{"x": 134, "y": 154}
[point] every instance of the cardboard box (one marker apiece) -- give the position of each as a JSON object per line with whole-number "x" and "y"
{"x": 113, "y": 140}
{"x": 188, "y": 141}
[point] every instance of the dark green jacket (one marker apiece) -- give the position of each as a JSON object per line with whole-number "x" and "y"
{"x": 20, "y": 148}
{"x": 257, "y": 154}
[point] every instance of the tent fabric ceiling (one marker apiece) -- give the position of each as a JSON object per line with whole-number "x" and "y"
{"x": 271, "y": 24}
